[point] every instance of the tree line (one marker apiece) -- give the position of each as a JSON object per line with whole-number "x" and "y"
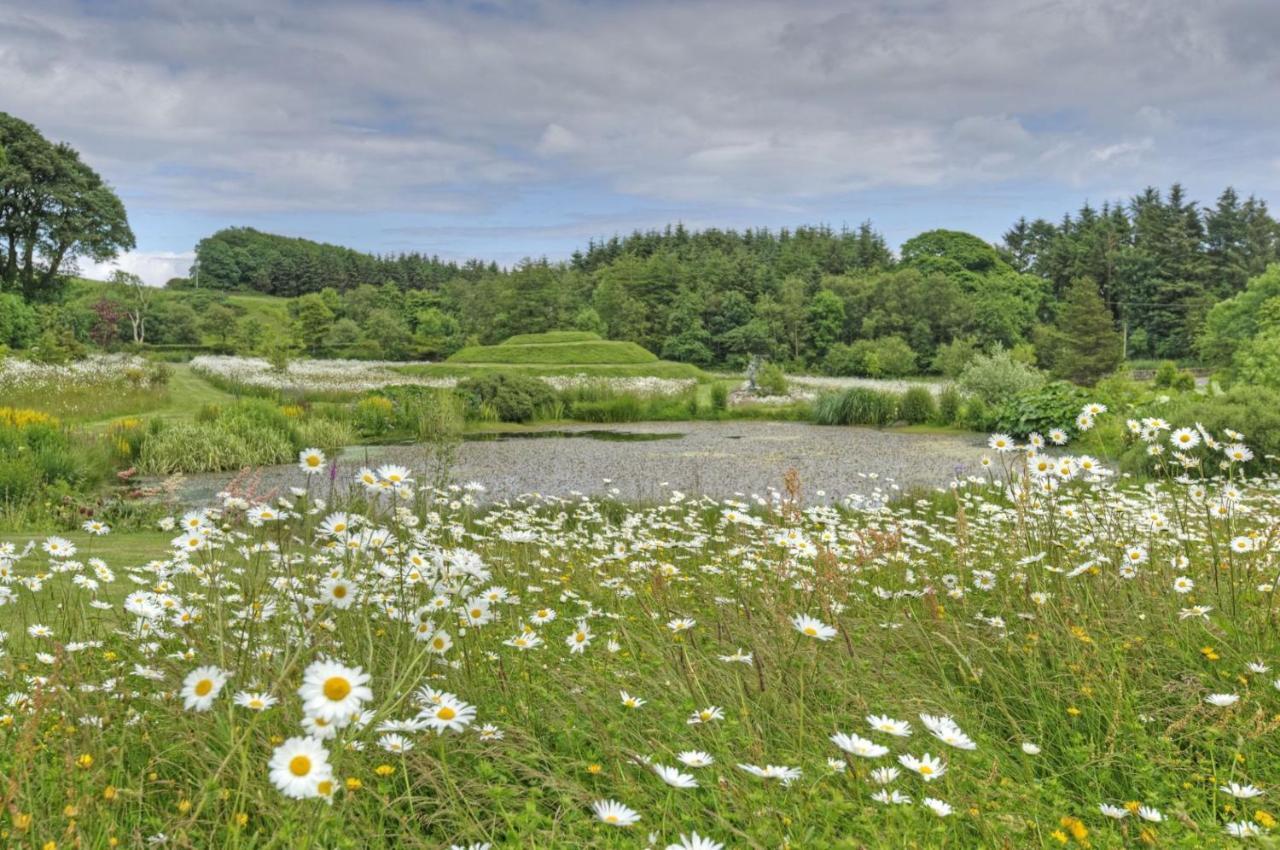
{"x": 1148, "y": 275}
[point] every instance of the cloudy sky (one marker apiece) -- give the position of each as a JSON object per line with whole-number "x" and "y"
{"x": 506, "y": 129}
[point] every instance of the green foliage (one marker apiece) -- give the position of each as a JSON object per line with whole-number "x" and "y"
{"x": 954, "y": 356}
{"x": 1168, "y": 376}
{"x": 20, "y": 480}
{"x": 327, "y": 434}
{"x": 917, "y": 406}
{"x": 1039, "y": 409}
{"x": 54, "y": 209}
{"x": 771, "y": 380}
{"x": 1083, "y": 345}
{"x": 887, "y": 357}
{"x": 950, "y": 404}
{"x": 18, "y": 324}
{"x": 997, "y": 376}
{"x": 857, "y": 406}
{"x": 719, "y": 396}
{"x": 512, "y": 397}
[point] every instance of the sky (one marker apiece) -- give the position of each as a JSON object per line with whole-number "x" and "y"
{"x": 502, "y": 130}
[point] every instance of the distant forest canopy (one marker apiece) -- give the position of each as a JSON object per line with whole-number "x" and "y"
{"x": 810, "y": 295}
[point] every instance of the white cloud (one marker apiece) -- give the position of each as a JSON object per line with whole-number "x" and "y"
{"x": 460, "y": 110}
{"x": 155, "y": 268}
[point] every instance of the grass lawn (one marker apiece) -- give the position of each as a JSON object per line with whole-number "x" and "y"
{"x": 128, "y": 547}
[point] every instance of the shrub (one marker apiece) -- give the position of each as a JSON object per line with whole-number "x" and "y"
{"x": 770, "y": 380}
{"x": 894, "y": 358}
{"x": 886, "y": 357}
{"x": 1053, "y": 405}
{"x": 949, "y": 405}
{"x": 917, "y": 405}
{"x": 953, "y": 357}
{"x": 977, "y": 415}
{"x": 1168, "y": 376}
{"x": 514, "y": 398}
{"x": 997, "y": 377}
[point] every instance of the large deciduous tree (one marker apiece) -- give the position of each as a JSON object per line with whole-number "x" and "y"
{"x": 54, "y": 209}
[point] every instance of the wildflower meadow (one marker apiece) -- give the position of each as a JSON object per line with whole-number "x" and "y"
{"x": 1045, "y": 655}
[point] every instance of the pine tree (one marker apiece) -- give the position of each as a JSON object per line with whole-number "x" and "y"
{"x": 1085, "y": 343}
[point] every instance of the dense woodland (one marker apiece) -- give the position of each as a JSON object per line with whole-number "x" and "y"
{"x": 815, "y": 296}
{"x": 1161, "y": 276}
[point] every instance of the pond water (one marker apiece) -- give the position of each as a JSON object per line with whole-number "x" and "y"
{"x": 646, "y": 461}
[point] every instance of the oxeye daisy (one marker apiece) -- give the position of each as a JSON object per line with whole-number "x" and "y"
{"x": 254, "y": 701}
{"x": 886, "y": 724}
{"x": 333, "y": 691}
{"x": 674, "y": 777}
{"x": 929, "y": 767}
{"x": 614, "y": 813}
{"x": 201, "y": 687}
{"x": 858, "y": 746}
{"x": 450, "y": 714}
{"x": 695, "y": 758}
{"x": 812, "y": 627}
{"x": 311, "y": 461}
{"x": 298, "y": 766}
{"x": 694, "y": 841}
{"x": 1240, "y": 792}
{"x": 706, "y": 715}
{"x": 630, "y": 701}
{"x": 936, "y": 806}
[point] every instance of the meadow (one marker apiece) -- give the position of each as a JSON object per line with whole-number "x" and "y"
{"x": 1047, "y": 655}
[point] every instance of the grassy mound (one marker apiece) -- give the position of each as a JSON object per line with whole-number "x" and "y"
{"x": 563, "y": 348}
{"x": 553, "y": 337}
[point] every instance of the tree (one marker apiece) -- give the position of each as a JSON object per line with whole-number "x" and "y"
{"x": 825, "y": 322}
{"x": 139, "y": 302}
{"x": 54, "y": 209}
{"x": 249, "y": 334}
{"x": 18, "y": 325}
{"x": 311, "y": 321}
{"x": 1085, "y": 344}
{"x": 219, "y": 322}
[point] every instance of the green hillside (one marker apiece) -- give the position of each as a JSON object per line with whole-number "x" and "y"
{"x": 564, "y": 348}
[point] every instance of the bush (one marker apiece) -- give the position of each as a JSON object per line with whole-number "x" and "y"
{"x": 886, "y": 357}
{"x": 858, "y": 406}
{"x": 949, "y": 405}
{"x": 1169, "y": 377}
{"x": 513, "y": 398}
{"x": 917, "y": 406}
{"x": 998, "y": 377}
{"x": 1054, "y": 405}
{"x": 770, "y": 380}
{"x": 953, "y": 357}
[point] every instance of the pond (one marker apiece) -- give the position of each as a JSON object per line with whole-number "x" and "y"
{"x": 646, "y": 461}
